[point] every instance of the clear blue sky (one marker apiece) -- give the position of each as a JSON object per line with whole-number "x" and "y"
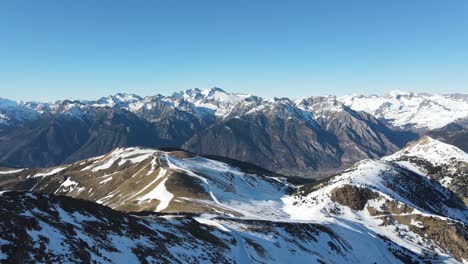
{"x": 90, "y": 48}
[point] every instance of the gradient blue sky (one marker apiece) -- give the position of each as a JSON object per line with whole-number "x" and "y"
{"x": 90, "y": 48}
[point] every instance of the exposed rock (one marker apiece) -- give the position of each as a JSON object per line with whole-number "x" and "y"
{"x": 354, "y": 197}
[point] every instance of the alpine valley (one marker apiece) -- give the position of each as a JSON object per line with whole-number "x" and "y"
{"x": 310, "y": 137}
{"x": 207, "y": 176}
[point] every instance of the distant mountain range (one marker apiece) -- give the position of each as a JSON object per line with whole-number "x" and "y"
{"x": 417, "y": 111}
{"x": 311, "y": 137}
{"x": 408, "y": 207}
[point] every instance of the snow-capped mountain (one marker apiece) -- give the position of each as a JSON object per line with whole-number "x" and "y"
{"x": 385, "y": 198}
{"x": 442, "y": 162}
{"x": 416, "y": 196}
{"x": 136, "y": 179}
{"x": 411, "y": 110}
{"x": 313, "y": 137}
{"x": 398, "y": 108}
{"x": 310, "y": 137}
{"x": 376, "y": 211}
{"x": 12, "y": 112}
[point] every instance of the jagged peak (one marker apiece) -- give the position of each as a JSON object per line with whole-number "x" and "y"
{"x": 400, "y": 108}
{"x": 215, "y": 93}
{"x": 395, "y": 93}
{"x": 213, "y": 90}
{"x": 119, "y": 98}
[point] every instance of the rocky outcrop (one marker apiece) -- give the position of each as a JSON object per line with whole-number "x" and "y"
{"x": 354, "y": 197}
{"x": 451, "y": 236}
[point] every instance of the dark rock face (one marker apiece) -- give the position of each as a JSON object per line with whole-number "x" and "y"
{"x": 456, "y": 170}
{"x": 450, "y": 235}
{"x": 455, "y": 133}
{"x": 284, "y": 146}
{"x": 354, "y": 197}
{"x": 295, "y": 146}
{"x": 55, "y": 139}
{"x": 43, "y": 142}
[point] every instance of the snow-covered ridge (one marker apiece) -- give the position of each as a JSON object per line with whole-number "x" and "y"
{"x": 382, "y": 177}
{"x": 67, "y": 229}
{"x": 439, "y": 161}
{"x": 135, "y": 179}
{"x": 215, "y": 99}
{"x": 414, "y": 110}
{"x": 410, "y": 195}
{"x": 431, "y": 150}
{"x": 400, "y": 109}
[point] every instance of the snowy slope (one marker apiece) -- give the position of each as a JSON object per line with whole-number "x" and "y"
{"x": 388, "y": 209}
{"x": 138, "y": 179}
{"x": 56, "y": 229}
{"x": 382, "y": 198}
{"x": 47, "y": 228}
{"x": 433, "y": 151}
{"x": 411, "y": 110}
{"x": 415, "y": 197}
{"x": 439, "y": 161}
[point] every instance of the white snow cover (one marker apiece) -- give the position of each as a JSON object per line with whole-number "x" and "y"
{"x": 322, "y": 107}
{"x": 400, "y": 109}
{"x": 11, "y": 171}
{"x": 318, "y": 207}
{"x": 268, "y": 198}
{"x": 120, "y": 99}
{"x": 123, "y": 155}
{"x": 159, "y": 193}
{"x": 241, "y": 241}
{"x": 251, "y": 195}
{"x": 432, "y": 150}
{"x": 68, "y": 182}
{"x": 404, "y": 108}
{"x": 67, "y": 186}
{"x": 50, "y": 172}
{"x": 213, "y": 100}
{"x": 206, "y": 220}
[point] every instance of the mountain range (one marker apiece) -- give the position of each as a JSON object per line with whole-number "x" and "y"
{"x": 311, "y": 137}
{"x": 407, "y": 207}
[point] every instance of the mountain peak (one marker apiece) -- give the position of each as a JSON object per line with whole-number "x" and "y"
{"x": 214, "y": 90}
{"x": 432, "y": 150}
{"x": 395, "y": 93}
